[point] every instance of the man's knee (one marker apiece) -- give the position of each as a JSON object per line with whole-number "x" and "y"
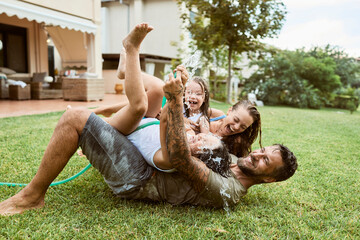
{"x": 76, "y": 117}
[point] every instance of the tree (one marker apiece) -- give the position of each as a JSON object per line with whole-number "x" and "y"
{"x": 346, "y": 67}
{"x": 294, "y": 78}
{"x": 320, "y": 73}
{"x": 235, "y": 25}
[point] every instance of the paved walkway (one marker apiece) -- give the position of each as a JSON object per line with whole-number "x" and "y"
{"x": 12, "y": 108}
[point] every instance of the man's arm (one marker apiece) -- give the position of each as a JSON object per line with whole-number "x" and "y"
{"x": 179, "y": 152}
{"x": 213, "y": 113}
{"x": 163, "y": 127}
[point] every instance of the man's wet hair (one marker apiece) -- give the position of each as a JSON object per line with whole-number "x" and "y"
{"x": 289, "y": 164}
{"x": 217, "y": 159}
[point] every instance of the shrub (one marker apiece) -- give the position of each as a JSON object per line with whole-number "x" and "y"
{"x": 218, "y": 88}
{"x": 351, "y": 106}
{"x": 346, "y": 102}
{"x": 292, "y": 91}
{"x": 357, "y": 93}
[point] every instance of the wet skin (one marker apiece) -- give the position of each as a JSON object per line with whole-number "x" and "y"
{"x": 261, "y": 162}
{"x": 202, "y": 141}
{"x": 194, "y": 97}
{"x": 235, "y": 122}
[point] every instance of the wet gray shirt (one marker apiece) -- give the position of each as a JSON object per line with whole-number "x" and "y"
{"x": 175, "y": 189}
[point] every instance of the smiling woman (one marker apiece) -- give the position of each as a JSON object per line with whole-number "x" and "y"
{"x": 239, "y": 129}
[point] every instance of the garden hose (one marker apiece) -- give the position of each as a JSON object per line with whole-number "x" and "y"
{"x": 52, "y": 184}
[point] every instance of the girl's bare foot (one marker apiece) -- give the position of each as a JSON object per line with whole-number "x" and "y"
{"x": 133, "y": 40}
{"x": 121, "y": 68}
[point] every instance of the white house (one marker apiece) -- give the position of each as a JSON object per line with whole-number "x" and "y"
{"x": 119, "y": 17}
{"x": 73, "y": 26}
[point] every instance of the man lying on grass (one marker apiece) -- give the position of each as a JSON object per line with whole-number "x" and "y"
{"x": 128, "y": 174}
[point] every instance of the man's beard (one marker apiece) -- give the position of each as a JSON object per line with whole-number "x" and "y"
{"x": 246, "y": 170}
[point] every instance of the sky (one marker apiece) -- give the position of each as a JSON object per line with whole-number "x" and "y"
{"x": 312, "y": 23}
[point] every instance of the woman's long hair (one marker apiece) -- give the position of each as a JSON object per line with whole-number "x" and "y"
{"x": 240, "y": 144}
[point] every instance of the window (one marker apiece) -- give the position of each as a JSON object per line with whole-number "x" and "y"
{"x": 110, "y": 61}
{"x": 13, "y": 55}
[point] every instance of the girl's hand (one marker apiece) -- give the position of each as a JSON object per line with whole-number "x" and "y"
{"x": 204, "y": 125}
{"x": 193, "y": 125}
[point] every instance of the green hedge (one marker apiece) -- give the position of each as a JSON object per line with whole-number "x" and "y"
{"x": 346, "y": 102}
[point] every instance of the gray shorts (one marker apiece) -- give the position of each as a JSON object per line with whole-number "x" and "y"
{"x": 116, "y": 158}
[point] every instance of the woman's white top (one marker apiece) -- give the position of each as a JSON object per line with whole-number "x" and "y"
{"x": 147, "y": 141}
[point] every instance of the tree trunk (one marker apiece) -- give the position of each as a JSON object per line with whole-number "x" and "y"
{"x": 213, "y": 76}
{"x": 228, "y": 82}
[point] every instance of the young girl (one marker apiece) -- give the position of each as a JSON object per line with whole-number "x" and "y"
{"x": 196, "y": 103}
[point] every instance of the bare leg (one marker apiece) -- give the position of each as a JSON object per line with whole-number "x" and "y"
{"x": 153, "y": 87}
{"x": 128, "y": 118}
{"x": 122, "y": 65}
{"x": 61, "y": 147}
{"x": 107, "y": 111}
{"x": 155, "y": 93}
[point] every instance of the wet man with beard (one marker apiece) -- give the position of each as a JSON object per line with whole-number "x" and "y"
{"x": 270, "y": 164}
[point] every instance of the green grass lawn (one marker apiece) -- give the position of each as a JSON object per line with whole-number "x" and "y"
{"x": 321, "y": 201}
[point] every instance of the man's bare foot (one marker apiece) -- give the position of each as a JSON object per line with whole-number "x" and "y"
{"x": 18, "y": 204}
{"x": 121, "y": 68}
{"x": 80, "y": 153}
{"x": 133, "y": 40}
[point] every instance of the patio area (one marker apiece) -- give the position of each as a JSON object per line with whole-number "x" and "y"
{"x": 13, "y": 108}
